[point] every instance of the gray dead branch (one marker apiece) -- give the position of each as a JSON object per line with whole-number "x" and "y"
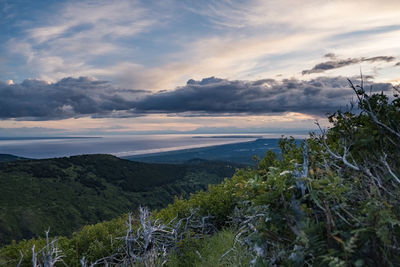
{"x": 50, "y": 254}
{"x": 152, "y": 240}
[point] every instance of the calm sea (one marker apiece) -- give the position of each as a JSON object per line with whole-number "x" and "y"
{"x": 116, "y": 145}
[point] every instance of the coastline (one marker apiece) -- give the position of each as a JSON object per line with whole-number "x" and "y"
{"x": 123, "y": 146}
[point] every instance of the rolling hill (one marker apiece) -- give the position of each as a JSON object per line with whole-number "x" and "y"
{"x": 9, "y": 157}
{"x": 67, "y": 193}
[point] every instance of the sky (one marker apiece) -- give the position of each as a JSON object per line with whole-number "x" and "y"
{"x": 129, "y": 66}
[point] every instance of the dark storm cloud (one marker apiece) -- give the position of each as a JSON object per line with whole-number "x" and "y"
{"x": 330, "y": 55}
{"x": 263, "y": 81}
{"x": 339, "y": 63}
{"x": 219, "y": 96}
{"x": 70, "y": 97}
{"x": 379, "y": 58}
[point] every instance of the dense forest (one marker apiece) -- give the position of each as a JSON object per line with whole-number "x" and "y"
{"x": 67, "y": 193}
{"x": 8, "y": 158}
{"x": 333, "y": 200}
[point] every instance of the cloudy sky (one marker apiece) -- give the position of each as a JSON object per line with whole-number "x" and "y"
{"x": 102, "y": 67}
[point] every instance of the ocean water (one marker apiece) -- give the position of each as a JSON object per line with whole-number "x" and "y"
{"x": 116, "y": 145}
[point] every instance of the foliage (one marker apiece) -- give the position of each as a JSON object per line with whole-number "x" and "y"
{"x": 67, "y": 193}
{"x": 8, "y": 158}
{"x": 208, "y": 251}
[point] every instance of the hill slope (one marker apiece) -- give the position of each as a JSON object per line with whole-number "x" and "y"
{"x": 67, "y": 193}
{"x": 9, "y": 157}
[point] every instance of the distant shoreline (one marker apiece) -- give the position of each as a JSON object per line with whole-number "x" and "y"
{"x": 39, "y": 147}
{"x": 156, "y": 151}
{"x": 189, "y": 148}
{"x": 229, "y": 136}
{"x": 237, "y": 152}
{"x": 47, "y": 138}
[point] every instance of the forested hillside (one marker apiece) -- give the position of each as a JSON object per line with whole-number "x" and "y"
{"x": 8, "y": 158}
{"x": 333, "y": 200}
{"x": 67, "y": 193}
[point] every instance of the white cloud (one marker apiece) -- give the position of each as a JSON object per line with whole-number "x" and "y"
{"x": 68, "y": 41}
{"x": 247, "y": 39}
{"x": 255, "y": 39}
{"x": 294, "y": 15}
{"x": 96, "y": 19}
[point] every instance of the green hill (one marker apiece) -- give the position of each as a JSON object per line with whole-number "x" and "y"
{"x": 67, "y": 193}
{"x": 8, "y": 158}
